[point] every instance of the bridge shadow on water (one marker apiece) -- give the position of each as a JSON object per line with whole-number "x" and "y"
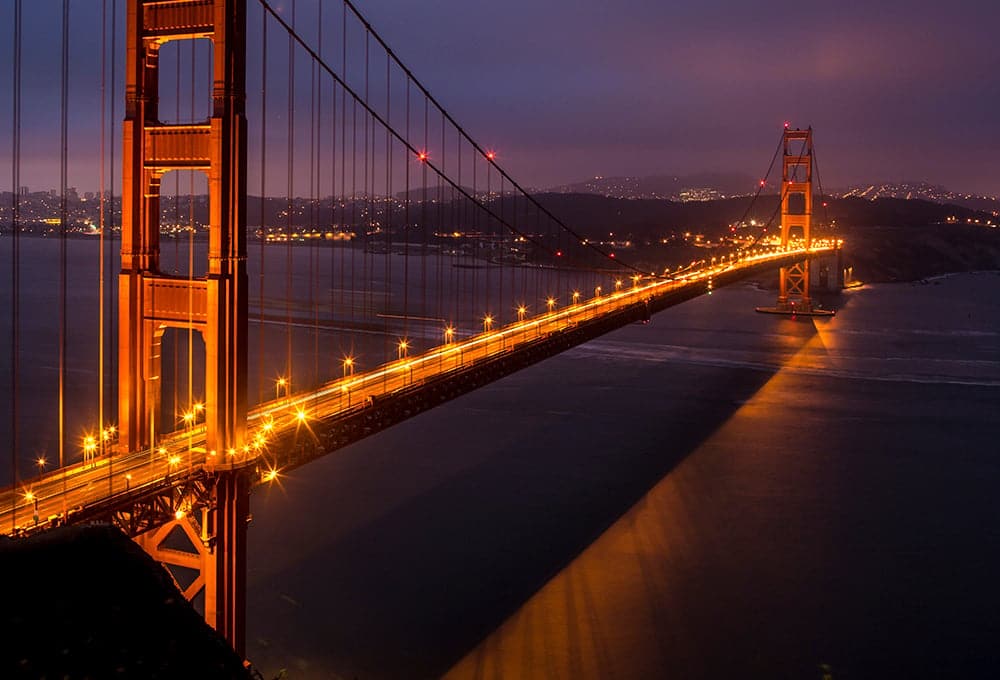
{"x": 395, "y": 557}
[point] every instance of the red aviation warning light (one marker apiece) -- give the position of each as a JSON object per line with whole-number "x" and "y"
{"x": 491, "y": 155}
{"x": 787, "y": 124}
{"x": 422, "y": 156}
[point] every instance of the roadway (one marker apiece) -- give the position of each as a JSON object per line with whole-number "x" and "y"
{"x": 43, "y": 500}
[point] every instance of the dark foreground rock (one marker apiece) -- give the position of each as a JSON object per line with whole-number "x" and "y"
{"x": 87, "y": 602}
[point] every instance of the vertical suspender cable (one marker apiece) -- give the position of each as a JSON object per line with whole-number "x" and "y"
{"x": 440, "y": 226}
{"x": 112, "y": 289}
{"x": 423, "y": 220}
{"x": 191, "y": 228}
{"x": 386, "y": 309}
{"x": 490, "y": 241}
{"x": 63, "y": 162}
{"x": 406, "y": 212}
{"x": 15, "y": 256}
{"x": 290, "y": 207}
{"x": 476, "y": 240}
{"x": 343, "y": 162}
{"x": 175, "y": 410}
{"x": 319, "y": 178}
{"x": 261, "y": 348}
{"x": 313, "y": 177}
{"x": 334, "y": 226}
{"x": 100, "y": 253}
{"x": 462, "y": 276}
{"x": 819, "y": 181}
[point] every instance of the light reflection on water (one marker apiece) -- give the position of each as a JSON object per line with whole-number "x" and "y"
{"x": 745, "y": 561}
{"x": 818, "y": 492}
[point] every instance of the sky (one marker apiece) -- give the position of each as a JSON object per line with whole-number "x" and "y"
{"x": 568, "y": 89}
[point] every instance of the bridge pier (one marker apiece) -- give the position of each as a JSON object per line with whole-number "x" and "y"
{"x": 211, "y": 542}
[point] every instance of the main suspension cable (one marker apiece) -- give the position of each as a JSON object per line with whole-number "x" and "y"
{"x": 475, "y": 145}
{"x": 473, "y": 200}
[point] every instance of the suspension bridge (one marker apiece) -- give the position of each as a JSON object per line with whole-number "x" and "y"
{"x": 359, "y": 259}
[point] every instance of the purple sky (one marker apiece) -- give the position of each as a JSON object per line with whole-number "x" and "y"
{"x": 895, "y": 89}
{"x": 567, "y": 89}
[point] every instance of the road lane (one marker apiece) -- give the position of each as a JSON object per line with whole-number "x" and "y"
{"x": 50, "y": 496}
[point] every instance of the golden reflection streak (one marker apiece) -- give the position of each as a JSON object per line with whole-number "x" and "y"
{"x": 620, "y": 609}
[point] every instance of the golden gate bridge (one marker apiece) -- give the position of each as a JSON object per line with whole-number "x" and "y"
{"x": 402, "y": 267}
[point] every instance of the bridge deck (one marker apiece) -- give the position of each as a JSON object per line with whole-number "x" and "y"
{"x": 280, "y": 430}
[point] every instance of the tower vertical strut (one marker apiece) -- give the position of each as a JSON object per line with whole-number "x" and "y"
{"x": 214, "y": 305}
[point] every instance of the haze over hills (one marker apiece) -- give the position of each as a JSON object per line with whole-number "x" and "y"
{"x": 696, "y": 187}
{"x": 923, "y": 191}
{"x": 887, "y": 238}
{"x": 705, "y": 186}
{"x": 591, "y": 214}
{"x": 708, "y": 186}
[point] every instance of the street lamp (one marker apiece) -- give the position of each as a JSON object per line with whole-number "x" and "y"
{"x": 41, "y": 465}
{"x": 30, "y": 497}
{"x": 635, "y": 280}
{"x": 597, "y": 291}
{"x": 618, "y": 284}
{"x": 551, "y": 303}
{"x": 576, "y": 296}
{"x": 279, "y": 384}
{"x": 449, "y": 334}
{"x": 108, "y": 433}
{"x": 487, "y": 325}
{"x": 89, "y": 446}
{"x": 348, "y": 366}
{"x": 401, "y": 348}
{"x": 521, "y": 311}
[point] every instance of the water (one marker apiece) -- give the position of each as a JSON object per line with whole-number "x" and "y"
{"x": 716, "y": 494}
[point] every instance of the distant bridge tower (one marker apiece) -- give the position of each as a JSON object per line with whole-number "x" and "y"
{"x": 796, "y": 223}
{"x": 796, "y": 214}
{"x": 214, "y": 305}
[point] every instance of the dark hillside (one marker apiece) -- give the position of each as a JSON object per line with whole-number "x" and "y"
{"x": 87, "y": 602}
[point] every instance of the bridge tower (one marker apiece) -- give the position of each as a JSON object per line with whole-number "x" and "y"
{"x": 796, "y": 214}
{"x": 214, "y": 305}
{"x": 150, "y": 301}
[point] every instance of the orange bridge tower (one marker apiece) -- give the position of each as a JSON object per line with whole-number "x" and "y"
{"x": 796, "y": 223}
{"x": 214, "y": 305}
{"x": 796, "y": 216}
